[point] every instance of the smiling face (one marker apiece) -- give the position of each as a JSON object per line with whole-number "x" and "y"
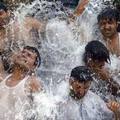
{"x": 80, "y": 88}
{"x": 108, "y": 27}
{"x": 26, "y": 59}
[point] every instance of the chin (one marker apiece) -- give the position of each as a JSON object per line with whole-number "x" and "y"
{"x": 80, "y": 96}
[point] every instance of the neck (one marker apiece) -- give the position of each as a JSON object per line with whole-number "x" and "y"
{"x": 111, "y": 38}
{"x": 18, "y": 73}
{"x": 113, "y": 44}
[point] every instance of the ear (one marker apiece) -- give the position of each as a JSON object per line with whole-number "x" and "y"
{"x": 71, "y": 81}
{"x": 99, "y": 23}
{"x": 118, "y": 23}
{"x": 89, "y": 61}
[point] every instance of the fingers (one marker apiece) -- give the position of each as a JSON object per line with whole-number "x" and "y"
{"x": 113, "y": 106}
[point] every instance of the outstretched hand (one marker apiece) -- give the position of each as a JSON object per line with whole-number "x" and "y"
{"x": 84, "y": 2}
{"x": 81, "y": 7}
{"x": 79, "y": 10}
{"x": 113, "y": 106}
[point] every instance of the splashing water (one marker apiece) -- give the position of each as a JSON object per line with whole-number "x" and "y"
{"x": 62, "y": 49}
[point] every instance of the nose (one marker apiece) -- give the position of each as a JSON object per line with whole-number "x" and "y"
{"x": 82, "y": 91}
{"x": 107, "y": 26}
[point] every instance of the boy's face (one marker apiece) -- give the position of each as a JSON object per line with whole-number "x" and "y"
{"x": 108, "y": 27}
{"x": 25, "y": 58}
{"x": 96, "y": 64}
{"x": 80, "y": 88}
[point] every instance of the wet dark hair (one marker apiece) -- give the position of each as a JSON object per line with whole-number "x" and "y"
{"x": 3, "y": 7}
{"x": 35, "y": 50}
{"x": 82, "y": 74}
{"x": 96, "y": 51}
{"x": 109, "y": 13}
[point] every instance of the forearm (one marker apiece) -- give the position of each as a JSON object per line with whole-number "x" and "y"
{"x": 81, "y": 7}
{"x": 79, "y": 10}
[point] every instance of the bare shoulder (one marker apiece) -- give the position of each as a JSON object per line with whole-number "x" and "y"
{"x": 33, "y": 23}
{"x": 34, "y": 84}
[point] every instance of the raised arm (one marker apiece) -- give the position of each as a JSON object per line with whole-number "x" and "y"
{"x": 81, "y": 7}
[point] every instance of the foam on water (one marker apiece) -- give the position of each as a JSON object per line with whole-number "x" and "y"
{"x": 62, "y": 49}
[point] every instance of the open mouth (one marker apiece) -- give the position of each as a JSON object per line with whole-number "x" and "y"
{"x": 26, "y": 61}
{"x": 107, "y": 31}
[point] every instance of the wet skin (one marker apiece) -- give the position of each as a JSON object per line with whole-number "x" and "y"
{"x": 25, "y": 58}
{"x": 80, "y": 89}
{"x": 108, "y": 27}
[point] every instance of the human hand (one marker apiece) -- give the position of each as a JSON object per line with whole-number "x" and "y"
{"x": 113, "y": 106}
{"x": 81, "y": 7}
{"x": 34, "y": 84}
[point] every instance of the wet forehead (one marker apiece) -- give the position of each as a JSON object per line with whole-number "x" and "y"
{"x": 83, "y": 84}
{"x": 30, "y": 52}
{"x": 108, "y": 20}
